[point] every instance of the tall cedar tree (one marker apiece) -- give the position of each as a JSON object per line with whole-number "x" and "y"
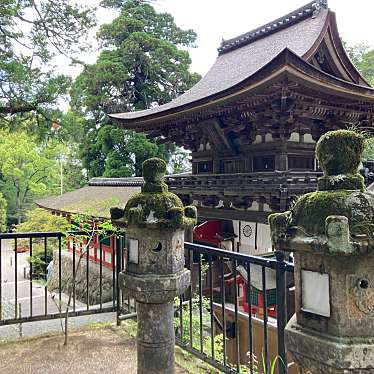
{"x": 141, "y": 64}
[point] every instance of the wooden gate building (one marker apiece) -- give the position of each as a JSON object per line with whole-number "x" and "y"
{"x": 252, "y": 122}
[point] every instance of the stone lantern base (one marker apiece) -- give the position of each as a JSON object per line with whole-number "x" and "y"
{"x": 318, "y": 353}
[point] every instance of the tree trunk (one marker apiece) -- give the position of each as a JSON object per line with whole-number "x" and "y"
{"x": 18, "y": 204}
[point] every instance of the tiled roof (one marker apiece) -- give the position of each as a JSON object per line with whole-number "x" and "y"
{"x": 238, "y": 64}
{"x": 92, "y": 200}
{"x": 118, "y": 182}
{"x": 309, "y": 10}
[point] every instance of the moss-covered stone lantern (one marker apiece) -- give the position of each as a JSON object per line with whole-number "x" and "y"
{"x": 155, "y": 220}
{"x": 331, "y": 234}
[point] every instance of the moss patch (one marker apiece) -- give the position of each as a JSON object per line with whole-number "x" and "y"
{"x": 339, "y": 152}
{"x": 312, "y": 209}
{"x": 341, "y": 182}
{"x": 154, "y": 170}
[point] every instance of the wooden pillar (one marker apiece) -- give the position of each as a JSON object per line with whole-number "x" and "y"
{"x": 281, "y": 158}
{"x": 216, "y": 167}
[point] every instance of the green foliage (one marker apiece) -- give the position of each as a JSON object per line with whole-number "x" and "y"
{"x": 41, "y": 220}
{"x": 31, "y": 34}
{"x": 368, "y": 153}
{"x": 180, "y": 161}
{"x": 27, "y": 171}
{"x": 40, "y": 260}
{"x": 3, "y": 213}
{"x": 363, "y": 58}
{"x": 141, "y": 65}
{"x": 112, "y": 152}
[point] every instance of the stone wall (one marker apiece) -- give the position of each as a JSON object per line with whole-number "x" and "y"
{"x": 81, "y": 279}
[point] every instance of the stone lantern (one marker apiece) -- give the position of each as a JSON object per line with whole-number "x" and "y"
{"x": 154, "y": 221}
{"x": 331, "y": 234}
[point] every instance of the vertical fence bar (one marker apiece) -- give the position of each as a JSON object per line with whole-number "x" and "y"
{"x": 281, "y": 311}
{"x": 119, "y": 247}
{"x": 223, "y": 301}
{"x": 101, "y": 272}
{"x": 237, "y": 353}
{"x": 190, "y": 260}
{"x": 30, "y": 271}
{"x": 181, "y": 317}
{"x": 200, "y": 306}
{"x": 45, "y": 275}
{"x": 249, "y": 302}
{"x": 1, "y": 280}
{"x": 74, "y": 249}
{"x": 113, "y": 242}
{"x": 265, "y": 320}
{"x": 15, "y": 278}
{"x": 211, "y": 305}
{"x": 87, "y": 246}
{"x": 59, "y": 274}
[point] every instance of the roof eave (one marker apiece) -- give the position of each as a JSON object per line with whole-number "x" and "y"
{"x": 286, "y": 62}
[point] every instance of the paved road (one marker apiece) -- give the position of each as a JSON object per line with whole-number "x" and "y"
{"x": 16, "y": 290}
{"x": 34, "y": 299}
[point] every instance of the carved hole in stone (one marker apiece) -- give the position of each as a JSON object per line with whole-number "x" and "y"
{"x": 158, "y": 248}
{"x": 364, "y": 284}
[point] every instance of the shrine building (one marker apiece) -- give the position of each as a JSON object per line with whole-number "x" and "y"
{"x": 253, "y": 121}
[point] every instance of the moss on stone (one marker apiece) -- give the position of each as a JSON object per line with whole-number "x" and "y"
{"x": 158, "y": 203}
{"x": 341, "y": 182}
{"x": 279, "y": 224}
{"x": 311, "y": 210}
{"x": 190, "y": 212}
{"x": 155, "y": 207}
{"x": 154, "y": 170}
{"x": 339, "y": 152}
{"x": 150, "y": 187}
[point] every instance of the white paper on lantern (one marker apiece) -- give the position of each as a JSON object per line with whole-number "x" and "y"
{"x": 133, "y": 245}
{"x": 315, "y": 293}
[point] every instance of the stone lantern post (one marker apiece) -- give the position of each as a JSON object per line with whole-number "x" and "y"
{"x": 331, "y": 234}
{"x": 155, "y": 220}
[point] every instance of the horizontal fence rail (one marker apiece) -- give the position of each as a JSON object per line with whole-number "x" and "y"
{"x": 234, "y": 313}
{"x": 42, "y": 273}
{"x": 232, "y": 316}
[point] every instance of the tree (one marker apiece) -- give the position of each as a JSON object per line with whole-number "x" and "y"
{"x": 141, "y": 65}
{"x": 25, "y": 169}
{"x": 363, "y": 58}
{"x": 3, "y": 209}
{"x": 117, "y": 153}
{"x": 32, "y": 33}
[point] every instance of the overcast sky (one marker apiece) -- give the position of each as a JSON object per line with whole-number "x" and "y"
{"x": 213, "y": 20}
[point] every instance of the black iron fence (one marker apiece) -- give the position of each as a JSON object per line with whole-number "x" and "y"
{"x": 41, "y": 273}
{"x": 235, "y": 312}
{"x": 232, "y": 316}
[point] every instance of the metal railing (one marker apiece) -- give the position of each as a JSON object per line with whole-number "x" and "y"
{"x": 219, "y": 319}
{"x": 211, "y": 322}
{"x": 44, "y": 294}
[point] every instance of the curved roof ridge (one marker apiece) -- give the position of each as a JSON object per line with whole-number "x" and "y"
{"x": 306, "y": 11}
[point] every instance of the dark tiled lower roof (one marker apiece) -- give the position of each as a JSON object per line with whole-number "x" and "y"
{"x": 125, "y": 182}
{"x": 94, "y": 201}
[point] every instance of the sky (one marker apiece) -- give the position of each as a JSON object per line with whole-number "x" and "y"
{"x": 213, "y": 20}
